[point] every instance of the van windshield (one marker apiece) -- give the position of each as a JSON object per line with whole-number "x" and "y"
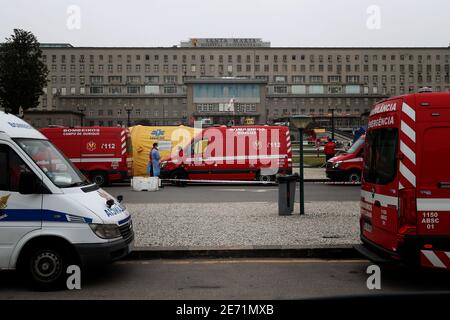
{"x": 380, "y": 156}
{"x": 355, "y": 146}
{"x": 53, "y": 163}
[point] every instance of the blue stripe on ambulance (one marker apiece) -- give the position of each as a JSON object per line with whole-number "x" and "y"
{"x": 124, "y": 220}
{"x": 39, "y": 215}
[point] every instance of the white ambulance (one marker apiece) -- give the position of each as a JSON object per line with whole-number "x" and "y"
{"x": 51, "y": 216}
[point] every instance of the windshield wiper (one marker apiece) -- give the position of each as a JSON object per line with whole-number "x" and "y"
{"x": 76, "y": 184}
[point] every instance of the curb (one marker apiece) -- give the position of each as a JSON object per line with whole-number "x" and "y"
{"x": 331, "y": 252}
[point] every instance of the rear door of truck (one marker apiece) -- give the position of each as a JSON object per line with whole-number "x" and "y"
{"x": 433, "y": 191}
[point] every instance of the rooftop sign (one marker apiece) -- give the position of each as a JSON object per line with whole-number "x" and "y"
{"x": 225, "y": 43}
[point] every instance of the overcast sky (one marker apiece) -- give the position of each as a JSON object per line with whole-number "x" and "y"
{"x": 282, "y": 22}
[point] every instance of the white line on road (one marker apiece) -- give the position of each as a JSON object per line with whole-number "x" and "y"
{"x": 246, "y": 190}
{"x": 249, "y": 261}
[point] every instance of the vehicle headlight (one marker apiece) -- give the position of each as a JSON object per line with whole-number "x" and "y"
{"x": 163, "y": 164}
{"x": 337, "y": 164}
{"x": 105, "y": 231}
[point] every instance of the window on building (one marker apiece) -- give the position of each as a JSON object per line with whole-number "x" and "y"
{"x": 280, "y": 78}
{"x": 151, "y": 79}
{"x": 280, "y": 89}
{"x": 298, "y": 79}
{"x": 316, "y": 79}
{"x": 334, "y": 79}
{"x": 170, "y": 89}
{"x": 316, "y": 89}
{"x": 96, "y": 89}
{"x": 133, "y": 89}
{"x": 352, "y": 79}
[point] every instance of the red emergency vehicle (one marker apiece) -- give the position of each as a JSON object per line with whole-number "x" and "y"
{"x": 405, "y": 197}
{"x": 233, "y": 153}
{"x": 103, "y": 154}
{"x": 347, "y": 166}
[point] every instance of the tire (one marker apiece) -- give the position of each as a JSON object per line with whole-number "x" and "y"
{"x": 354, "y": 176}
{"x": 179, "y": 174}
{"x": 265, "y": 178}
{"x": 45, "y": 266}
{"x": 100, "y": 178}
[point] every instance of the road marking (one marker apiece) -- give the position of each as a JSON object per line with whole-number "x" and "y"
{"x": 245, "y": 190}
{"x": 250, "y": 261}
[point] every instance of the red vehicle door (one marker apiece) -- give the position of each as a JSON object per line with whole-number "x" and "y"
{"x": 433, "y": 180}
{"x": 379, "y": 194}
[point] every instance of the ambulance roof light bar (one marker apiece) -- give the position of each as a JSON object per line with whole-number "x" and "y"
{"x": 425, "y": 89}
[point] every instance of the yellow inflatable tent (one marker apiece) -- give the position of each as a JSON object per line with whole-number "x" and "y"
{"x": 169, "y": 138}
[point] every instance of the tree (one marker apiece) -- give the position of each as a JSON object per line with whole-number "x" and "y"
{"x": 23, "y": 75}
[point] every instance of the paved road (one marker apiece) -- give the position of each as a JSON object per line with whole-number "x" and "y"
{"x": 234, "y": 279}
{"x": 234, "y": 193}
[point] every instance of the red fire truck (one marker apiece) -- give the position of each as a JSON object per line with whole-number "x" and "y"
{"x": 347, "y": 166}
{"x": 405, "y": 197}
{"x": 102, "y": 153}
{"x": 233, "y": 153}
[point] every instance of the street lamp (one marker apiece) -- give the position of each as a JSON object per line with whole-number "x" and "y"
{"x": 301, "y": 122}
{"x": 82, "y": 109}
{"x": 128, "y": 110}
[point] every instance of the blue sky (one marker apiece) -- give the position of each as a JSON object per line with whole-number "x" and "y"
{"x": 283, "y": 22}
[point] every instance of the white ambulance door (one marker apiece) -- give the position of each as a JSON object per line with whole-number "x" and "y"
{"x": 19, "y": 213}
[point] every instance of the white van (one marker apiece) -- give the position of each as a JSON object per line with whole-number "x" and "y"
{"x": 51, "y": 216}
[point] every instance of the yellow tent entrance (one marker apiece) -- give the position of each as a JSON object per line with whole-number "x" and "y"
{"x": 169, "y": 138}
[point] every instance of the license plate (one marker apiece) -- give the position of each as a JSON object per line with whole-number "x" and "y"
{"x": 367, "y": 227}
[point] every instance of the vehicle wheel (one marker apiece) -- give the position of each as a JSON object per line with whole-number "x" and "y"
{"x": 179, "y": 174}
{"x": 46, "y": 267}
{"x": 265, "y": 178}
{"x": 354, "y": 177}
{"x": 100, "y": 178}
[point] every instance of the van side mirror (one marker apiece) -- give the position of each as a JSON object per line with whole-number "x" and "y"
{"x": 28, "y": 183}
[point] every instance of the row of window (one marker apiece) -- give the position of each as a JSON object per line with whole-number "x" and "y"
{"x": 320, "y": 101}
{"x": 38, "y": 123}
{"x": 348, "y": 89}
{"x": 91, "y": 102}
{"x": 136, "y": 113}
{"x": 355, "y": 79}
{"x": 98, "y": 89}
{"x": 317, "y": 111}
{"x": 82, "y": 58}
{"x": 220, "y": 107}
{"x": 212, "y": 68}
{"x": 132, "y": 79}
{"x": 278, "y": 89}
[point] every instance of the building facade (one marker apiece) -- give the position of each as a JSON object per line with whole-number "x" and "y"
{"x": 233, "y": 79}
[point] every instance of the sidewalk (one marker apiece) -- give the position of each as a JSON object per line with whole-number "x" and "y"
{"x": 244, "y": 224}
{"x": 312, "y": 173}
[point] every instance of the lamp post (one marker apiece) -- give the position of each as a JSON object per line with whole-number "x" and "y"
{"x": 301, "y": 122}
{"x": 82, "y": 109}
{"x": 128, "y": 110}
{"x": 332, "y": 124}
{"x": 163, "y": 115}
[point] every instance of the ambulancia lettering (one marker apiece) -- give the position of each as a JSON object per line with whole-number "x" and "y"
{"x": 382, "y": 108}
